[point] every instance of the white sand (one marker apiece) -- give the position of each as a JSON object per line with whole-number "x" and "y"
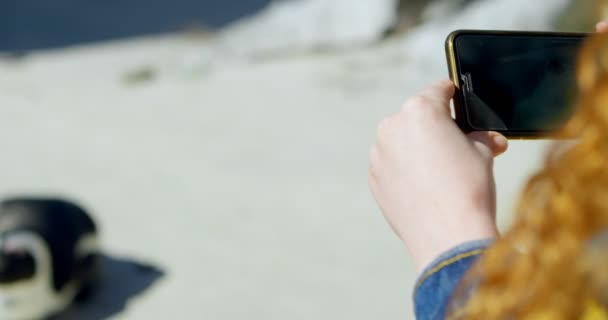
{"x": 245, "y": 182}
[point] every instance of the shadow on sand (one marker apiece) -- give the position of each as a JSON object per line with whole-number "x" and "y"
{"x": 121, "y": 280}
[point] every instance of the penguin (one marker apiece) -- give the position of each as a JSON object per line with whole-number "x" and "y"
{"x": 48, "y": 256}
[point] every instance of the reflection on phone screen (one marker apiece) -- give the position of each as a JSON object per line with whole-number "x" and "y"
{"x": 521, "y": 83}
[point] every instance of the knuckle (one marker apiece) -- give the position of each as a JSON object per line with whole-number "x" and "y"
{"x": 371, "y": 181}
{"x": 384, "y": 124}
{"x": 374, "y": 164}
{"x": 421, "y": 107}
{"x": 417, "y": 103}
{"x": 373, "y": 155}
{"x": 385, "y": 127}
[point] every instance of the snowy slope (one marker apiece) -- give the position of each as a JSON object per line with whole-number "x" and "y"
{"x": 296, "y": 25}
{"x": 425, "y": 44}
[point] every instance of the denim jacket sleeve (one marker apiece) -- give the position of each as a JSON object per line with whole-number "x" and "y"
{"x": 440, "y": 278}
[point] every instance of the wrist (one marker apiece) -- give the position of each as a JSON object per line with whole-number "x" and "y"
{"x": 448, "y": 236}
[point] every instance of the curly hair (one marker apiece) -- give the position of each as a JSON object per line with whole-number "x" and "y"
{"x": 553, "y": 262}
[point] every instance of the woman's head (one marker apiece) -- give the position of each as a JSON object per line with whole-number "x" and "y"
{"x": 553, "y": 262}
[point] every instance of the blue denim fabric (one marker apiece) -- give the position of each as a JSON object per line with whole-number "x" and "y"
{"x": 437, "y": 282}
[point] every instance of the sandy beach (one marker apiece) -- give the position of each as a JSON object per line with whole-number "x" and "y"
{"x": 242, "y": 184}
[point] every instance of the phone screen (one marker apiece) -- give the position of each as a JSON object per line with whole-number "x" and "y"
{"x": 523, "y": 83}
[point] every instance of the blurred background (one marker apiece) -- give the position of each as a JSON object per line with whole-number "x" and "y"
{"x": 222, "y": 145}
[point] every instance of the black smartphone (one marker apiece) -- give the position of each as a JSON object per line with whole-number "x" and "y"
{"x": 521, "y": 84}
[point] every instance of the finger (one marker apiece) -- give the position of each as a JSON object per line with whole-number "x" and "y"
{"x": 436, "y": 96}
{"x": 500, "y": 143}
{"x": 374, "y": 160}
{"x": 483, "y": 142}
{"x": 489, "y": 143}
{"x": 372, "y": 183}
{"x": 602, "y": 26}
{"x": 374, "y": 157}
{"x": 385, "y": 125}
{"x": 441, "y": 91}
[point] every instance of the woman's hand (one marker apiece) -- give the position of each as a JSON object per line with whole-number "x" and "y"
{"x": 434, "y": 184}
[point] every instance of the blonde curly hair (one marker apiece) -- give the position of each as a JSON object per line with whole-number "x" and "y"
{"x": 553, "y": 262}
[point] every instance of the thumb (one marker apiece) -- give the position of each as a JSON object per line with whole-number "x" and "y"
{"x": 489, "y": 143}
{"x": 602, "y": 26}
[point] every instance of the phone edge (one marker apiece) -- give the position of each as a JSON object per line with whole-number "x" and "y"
{"x": 459, "y": 110}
